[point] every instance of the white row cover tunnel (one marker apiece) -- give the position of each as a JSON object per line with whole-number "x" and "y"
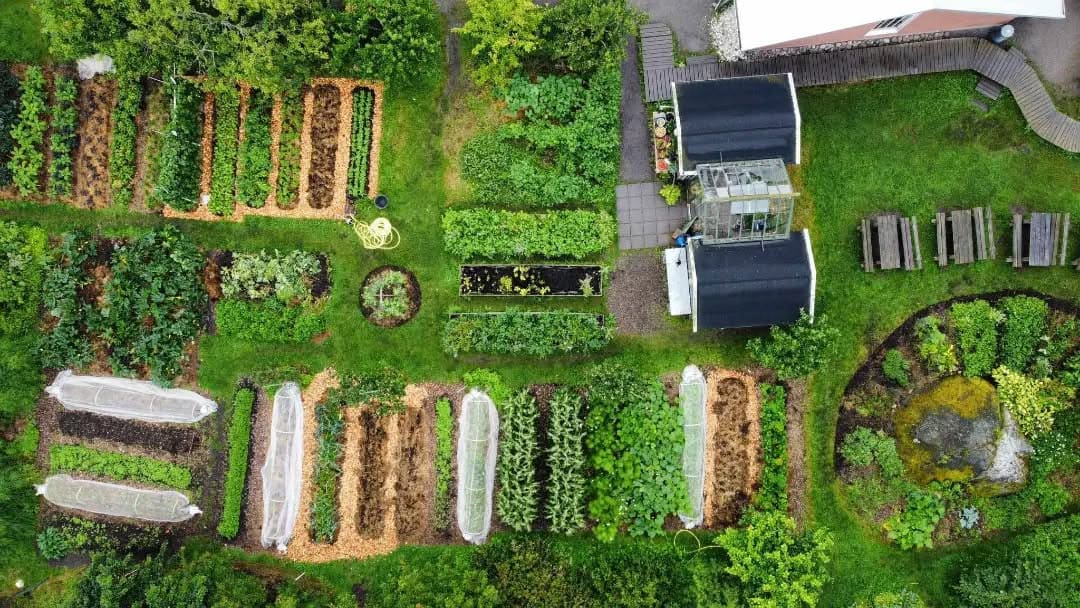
{"x": 117, "y": 500}
{"x": 478, "y": 441}
{"x": 282, "y": 474}
{"x": 692, "y": 391}
{"x": 129, "y": 399}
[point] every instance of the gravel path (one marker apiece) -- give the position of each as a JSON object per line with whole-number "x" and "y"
{"x": 1053, "y": 45}
{"x": 688, "y": 19}
{"x": 638, "y": 293}
{"x": 636, "y": 152}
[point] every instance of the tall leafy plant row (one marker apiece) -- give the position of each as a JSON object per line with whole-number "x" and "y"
{"x": 1025, "y": 324}
{"x": 363, "y": 103}
{"x": 9, "y": 113}
{"x": 517, "y": 500}
{"x": 27, "y": 157}
{"x": 181, "y": 151}
{"x": 67, "y": 343}
{"x": 444, "y": 457}
{"x": 292, "y": 121}
{"x": 23, "y": 257}
{"x": 65, "y": 118}
{"x": 236, "y": 474}
{"x": 566, "y": 463}
{"x": 76, "y": 458}
{"x": 253, "y": 163}
{"x": 976, "y": 326}
{"x": 124, "y": 134}
{"x": 226, "y": 142}
{"x": 773, "y": 494}
{"x": 526, "y": 333}
{"x": 329, "y": 433}
{"x": 487, "y": 233}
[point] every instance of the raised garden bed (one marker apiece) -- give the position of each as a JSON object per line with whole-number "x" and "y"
{"x": 325, "y": 124}
{"x": 530, "y": 280}
{"x": 96, "y": 100}
{"x": 360, "y": 153}
{"x": 390, "y": 296}
{"x": 165, "y": 438}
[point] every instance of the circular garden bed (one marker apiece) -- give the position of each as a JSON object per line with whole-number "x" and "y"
{"x": 964, "y": 421}
{"x": 390, "y": 296}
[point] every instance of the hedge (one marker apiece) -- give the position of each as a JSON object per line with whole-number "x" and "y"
{"x": 1025, "y": 325}
{"x": 226, "y": 142}
{"x": 76, "y": 458}
{"x": 487, "y": 233}
{"x": 977, "y": 333}
{"x": 236, "y": 475}
{"x": 527, "y": 333}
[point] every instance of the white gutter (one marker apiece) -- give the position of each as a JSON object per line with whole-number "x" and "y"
{"x": 813, "y": 273}
{"x": 678, "y": 129}
{"x": 798, "y": 120}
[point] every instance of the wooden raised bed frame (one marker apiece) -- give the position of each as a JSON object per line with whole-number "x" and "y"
{"x": 593, "y": 272}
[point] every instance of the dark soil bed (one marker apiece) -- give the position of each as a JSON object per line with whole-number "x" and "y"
{"x": 412, "y": 292}
{"x": 325, "y": 123}
{"x": 91, "y": 166}
{"x": 415, "y": 503}
{"x": 372, "y": 508}
{"x": 172, "y": 439}
{"x": 509, "y": 280}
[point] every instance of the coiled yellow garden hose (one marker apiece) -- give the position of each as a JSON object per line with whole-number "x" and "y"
{"x": 379, "y": 234}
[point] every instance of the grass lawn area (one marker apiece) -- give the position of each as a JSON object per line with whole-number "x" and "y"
{"x": 20, "y": 32}
{"x": 909, "y": 145}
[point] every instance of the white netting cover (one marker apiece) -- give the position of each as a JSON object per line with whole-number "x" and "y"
{"x": 93, "y": 65}
{"x": 692, "y": 392}
{"x": 117, "y": 500}
{"x": 478, "y": 440}
{"x": 283, "y": 473}
{"x": 129, "y": 399}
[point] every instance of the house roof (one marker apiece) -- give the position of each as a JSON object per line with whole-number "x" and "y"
{"x": 753, "y": 284}
{"x": 769, "y": 22}
{"x": 737, "y": 119}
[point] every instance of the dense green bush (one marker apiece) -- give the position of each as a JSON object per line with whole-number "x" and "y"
{"x": 76, "y": 458}
{"x": 9, "y": 113}
{"x": 977, "y": 334}
{"x": 395, "y": 40}
{"x": 330, "y": 435}
{"x": 486, "y": 233}
{"x": 253, "y": 159}
{"x": 585, "y": 35}
{"x": 65, "y": 119}
{"x": 1033, "y": 401}
{"x": 502, "y": 33}
{"x": 28, "y": 157}
{"x": 268, "y": 321}
{"x": 540, "y": 334}
{"x": 360, "y": 148}
{"x": 914, "y": 526}
{"x": 236, "y": 473}
{"x": 53, "y": 544}
{"x": 516, "y": 502}
{"x": 864, "y": 447}
{"x": 180, "y": 170}
{"x": 257, "y": 276}
{"x": 904, "y": 599}
{"x": 896, "y": 367}
{"x": 1025, "y": 324}
{"x": 635, "y": 444}
{"x": 566, "y": 463}
{"x": 124, "y": 135}
{"x": 22, "y": 256}
{"x": 444, "y": 461}
{"x": 935, "y": 349}
{"x": 773, "y": 496}
{"x": 383, "y": 389}
{"x": 67, "y": 341}
{"x": 292, "y": 122}
{"x": 795, "y": 350}
{"x": 226, "y": 142}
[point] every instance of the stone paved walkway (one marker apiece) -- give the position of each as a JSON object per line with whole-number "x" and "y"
{"x": 636, "y": 164}
{"x": 645, "y": 219}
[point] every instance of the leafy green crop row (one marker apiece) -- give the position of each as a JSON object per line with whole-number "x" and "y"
{"x": 268, "y": 321}
{"x": 292, "y": 121}
{"x": 330, "y": 435}
{"x": 124, "y": 135}
{"x": 9, "y": 113}
{"x": 65, "y": 119}
{"x": 226, "y": 141}
{"x": 76, "y": 458}
{"x": 27, "y": 157}
{"x": 566, "y": 463}
{"x": 383, "y": 389}
{"x": 67, "y": 342}
{"x": 535, "y": 334}
{"x": 258, "y": 276}
{"x": 486, "y": 233}
{"x": 181, "y": 153}
{"x": 253, "y": 169}
{"x": 22, "y": 256}
{"x": 773, "y": 492}
{"x": 363, "y": 104}
{"x": 236, "y": 474}
{"x": 519, "y": 491}
{"x": 444, "y": 461}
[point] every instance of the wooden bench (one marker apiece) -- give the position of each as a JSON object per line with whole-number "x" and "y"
{"x": 1041, "y": 240}
{"x": 965, "y": 235}
{"x": 890, "y": 242}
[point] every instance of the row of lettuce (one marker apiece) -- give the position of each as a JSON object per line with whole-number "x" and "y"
{"x": 26, "y": 115}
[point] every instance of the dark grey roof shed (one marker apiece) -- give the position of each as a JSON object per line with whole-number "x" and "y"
{"x": 753, "y": 284}
{"x": 737, "y": 119}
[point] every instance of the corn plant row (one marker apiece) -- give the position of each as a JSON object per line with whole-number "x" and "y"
{"x": 516, "y": 502}
{"x": 236, "y": 474}
{"x": 253, "y": 162}
{"x": 363, "y": 103}
{"x": 329, "y": 432}
{"x": 444, "y": 455}
{"x": 181, "y": 152}
{"x": 566, "y": 463}
{"x": 292, "y": 121}
{"x": 124, "y": 134}
{"x": 27, "y": 157}
{"x": 226, "y": 141}
{"x": 65, "y": 118}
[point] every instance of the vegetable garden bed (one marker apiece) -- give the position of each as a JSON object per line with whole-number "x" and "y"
{"x": 390, "y": 296}
{"x": 92, "y": 178}
{"x": 732, "y": 467}
{"x": 530, "y": 280}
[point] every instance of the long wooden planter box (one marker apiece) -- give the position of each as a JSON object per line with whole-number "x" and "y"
{"x": 541, "y": 280}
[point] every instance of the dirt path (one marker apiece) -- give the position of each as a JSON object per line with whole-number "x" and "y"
{"x": 798, "y": 477}
{"x": 733, "y": 456}
{"x": 91, "y": 163}
{"x": 252, "y": 512}
{"x": 207, "y": 147}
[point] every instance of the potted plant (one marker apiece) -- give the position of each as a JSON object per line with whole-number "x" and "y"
{"x": 671, "y": 194}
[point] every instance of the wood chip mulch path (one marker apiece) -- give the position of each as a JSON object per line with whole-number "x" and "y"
{"x": 733, "y": 439}
{"x": 90, "y": 183}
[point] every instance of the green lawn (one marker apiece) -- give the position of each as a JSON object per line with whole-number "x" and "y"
{"x": 20, "y": 32}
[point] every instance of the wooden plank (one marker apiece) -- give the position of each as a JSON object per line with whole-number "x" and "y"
{"x": 867, "y": 248}
{"x": 888, "y": 229}
{"x": 1040, "y": 240}
{"x": 963, "y": 246}
{"x": 980, "y": 233}
{"x": 915, "y": 239}
{"x": 1065, "y": 239}
{"x": 1055, "y": 238}
{"x": 905, "y": 240}
{"x": 990, "y": 232}
{"x": 1018, "y": 241}
{"x": 942, "y": 245}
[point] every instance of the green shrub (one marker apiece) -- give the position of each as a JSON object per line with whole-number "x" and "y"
{"x": 528, "y": 334}
{"x": 1070, "y": 372}
{"x": 258, "y": 276}
{"x": 444, "y": 461}
{"x": 772, "y": 495}
{"x": 864, "y": 447}
{"x": 22, "y": 256}
{"x": 914, "y": 526}
{"x": 67, "y": 342}
{"x": 501, "y": 33}
{"x": 566, "y": 463}
{"x": 1063, "y": 339}
{"x": 1025, "y": 324}
{"x": 79, "y": 459}
{"x": 360, "y": 150}
{"x": 976, "y": 326}
{"x": 392, "y": 40}
{"x": 795, "y": 350}
{"x": 330, "y": 437}
{"x": 124, "y": 134}
{"x": 487, "y": 233}
{"x": 65, "y": 118}
{"x": 236, "y": 473}
{"x": 904, "y": 599}
{"x": 53, "y": 544}
{"x": 292, "y": 121}
{"x": 516, "y": 502}
{"x": 180, "y": 167}
{"x": 896, "y": 367}
{"x": 27, "y": 156}
{"x": 226, "y": 141}
{"x": 935, "y": 349}
{"x": 586, "y": 35}
{"x": 1033, "y": 402}
{"x": 268, "y": 321}
{"x": 253, "y": 159}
